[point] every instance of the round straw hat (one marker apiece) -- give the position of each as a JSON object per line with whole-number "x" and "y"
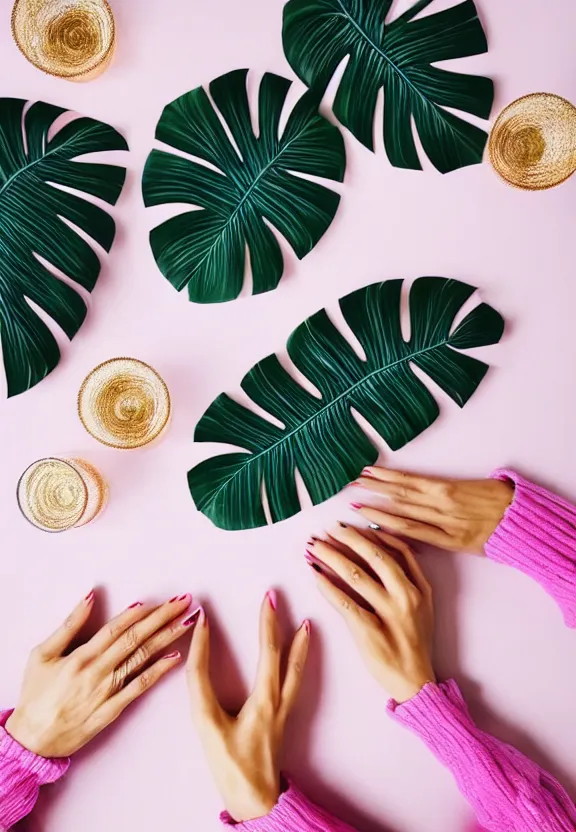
{"x": 533, "y": 142}
{"x": 124, "y": 403}
{"x": 71, "y": 39}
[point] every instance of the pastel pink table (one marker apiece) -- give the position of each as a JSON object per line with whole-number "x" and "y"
{"x": 498, "y": 633}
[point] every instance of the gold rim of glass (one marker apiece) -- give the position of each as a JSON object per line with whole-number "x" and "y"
{"x": 77, "y": 474}
{"x": 90, "y": 68}
{"x": 159, "y": 428}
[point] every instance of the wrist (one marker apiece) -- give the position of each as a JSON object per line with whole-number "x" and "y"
{"x": 20, "y": 731}
{"x": 255, "y": 803}
{"x": 410, "y": 688}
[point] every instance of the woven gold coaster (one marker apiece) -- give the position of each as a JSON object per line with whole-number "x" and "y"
{"x": 124, "y": 403}
{"x": 533, "y": 142}
{"x": 71, "y": 39}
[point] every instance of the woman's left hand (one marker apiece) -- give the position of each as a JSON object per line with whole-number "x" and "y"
{"x": 394, "y": 636}
{"x": 244, "y": 750}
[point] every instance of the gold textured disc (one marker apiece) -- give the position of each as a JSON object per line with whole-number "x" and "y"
{"x": 52, "y": 495}
{"x": 71, "y": 39}
{"x": 533, "y": 142}
{"x": 124, "y": 403}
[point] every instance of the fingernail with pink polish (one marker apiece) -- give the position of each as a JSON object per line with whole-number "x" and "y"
{"x": 367, "y": 472}
{"x": 193, "y": 619}
{"x": 180, "y": 598}
{"x": 174, "y": 655}
{"x": 135, "y": 604}
{"x": 313, "y": 561}
{"x": 356, "y": 506}
{"x": 308, "y": 627}
{"x": 272, "y": 598}
{"x": 90, "y": 597}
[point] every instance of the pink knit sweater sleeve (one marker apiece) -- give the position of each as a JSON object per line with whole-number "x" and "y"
{"x": 294, "y": 812}
{"x": 21, "y": 775}
{"x": 538, "y": 536}
{"x": 507, "y": 791}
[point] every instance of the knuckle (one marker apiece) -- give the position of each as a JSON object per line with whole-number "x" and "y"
{"x": 446, "y": 490}
{"x": 345, "y": 604}
{"x": 297, "y": 667}
{"x": 355, "y": 575}
{"x": 412, "y": 597}
{"x": 144, "y": 681}
{"x": 402, "y": 492}
{"x": 272, "y": 647}
{"x": 69, "y": 623}
{"x": 377, "y": 553}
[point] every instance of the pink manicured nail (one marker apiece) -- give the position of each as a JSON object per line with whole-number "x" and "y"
{"x": 356, "y": 506}
{"x": 180, "y": 598}
{"x": 356, "y": 485}
{"x": 367, "y": 472}
{"x": 174, "y": 655}
{"x": 193, "y": 619}
{"x": 308, "y": 627}
{"x": 135, "y": 604}
{"x": 90, "y": 597}
{"x": 272, "y": 598}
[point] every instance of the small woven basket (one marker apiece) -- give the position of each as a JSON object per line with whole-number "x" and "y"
{"x": 124, "y": 403}
{"x": 72, "y": 39}
{"x": 533, "y": 142}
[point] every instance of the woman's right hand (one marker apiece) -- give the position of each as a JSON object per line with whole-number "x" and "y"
{"x": 395, "y": 638}
{"x": 70, "y": 696}
{"x": 459, "y": 515}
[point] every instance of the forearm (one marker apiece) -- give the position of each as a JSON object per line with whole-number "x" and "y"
{"x": 294, "y": 812}
{"x": 21, "y": 776}
{"x": 538, "y": 536}
{"x": 508, "y": 792}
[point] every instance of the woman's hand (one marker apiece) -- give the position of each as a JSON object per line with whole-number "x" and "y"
{"x": 395, "y": 638}
{"x": 451, "y": 514}
{"x": 244, "y": 751}
{"x": 68, "y": 697}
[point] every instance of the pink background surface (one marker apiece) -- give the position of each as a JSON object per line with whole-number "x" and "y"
{"x": 498, "y": 633}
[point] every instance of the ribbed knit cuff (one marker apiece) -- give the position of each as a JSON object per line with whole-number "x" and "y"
{"x": 293, "y": 813}
{"x": 21, "y": 775}
{"x": 506, "y": 790}
{"x": 538, "y": 536}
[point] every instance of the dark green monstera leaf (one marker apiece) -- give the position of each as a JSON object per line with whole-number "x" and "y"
{"x": 39, "y": 220}
{"x": 319, "y": 436}
{"x": 399, "y": 57}
{"x": 250, "y": 190}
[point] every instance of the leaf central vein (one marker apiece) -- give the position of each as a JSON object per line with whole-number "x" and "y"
{"x": 288, "y": 434}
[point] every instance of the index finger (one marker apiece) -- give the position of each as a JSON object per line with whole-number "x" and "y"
{"x": 267, "y": 684}
{"x": 203, "y": 700}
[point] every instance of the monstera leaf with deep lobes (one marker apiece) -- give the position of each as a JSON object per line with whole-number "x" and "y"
{"x": 39, "y": 220}
{"x": 250, "y": 186}
{"x": 399, "y": 57}
{"x": 319, "y": 436}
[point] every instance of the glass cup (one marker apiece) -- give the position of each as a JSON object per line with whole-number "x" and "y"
{"x": 59, "y": 494}
{"x": 124, "y": 404}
